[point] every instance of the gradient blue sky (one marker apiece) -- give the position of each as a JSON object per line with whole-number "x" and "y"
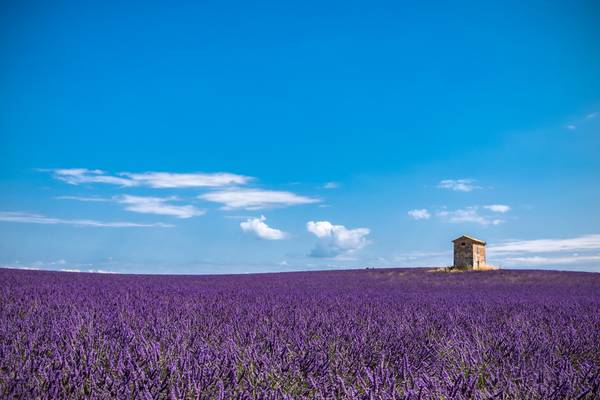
{"x": 366, "y": 134}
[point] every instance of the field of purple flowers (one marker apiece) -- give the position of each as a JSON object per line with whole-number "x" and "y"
{"x": 368, "y": 334}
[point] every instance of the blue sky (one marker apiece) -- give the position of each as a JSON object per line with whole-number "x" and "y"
{"x": 225, "y": 137}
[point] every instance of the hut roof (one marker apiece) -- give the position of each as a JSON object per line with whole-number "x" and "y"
{"x": 472, "y": 239}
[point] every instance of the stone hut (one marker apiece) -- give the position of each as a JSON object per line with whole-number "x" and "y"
{"x": 469, "y": 252}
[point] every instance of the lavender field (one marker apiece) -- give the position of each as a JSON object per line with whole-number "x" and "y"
{"x": 365, "y": 334}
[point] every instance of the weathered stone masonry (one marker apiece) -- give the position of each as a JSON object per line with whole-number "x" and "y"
{"x": 469, "y": 252}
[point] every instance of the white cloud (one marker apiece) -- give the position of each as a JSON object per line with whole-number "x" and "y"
{"x": 159, "y": 206}
{"x": 482, "y": 215}
{"x": 146, "y": 205}
{"x": 582, "y": 122}
{"x": 77, "y": 176}
{"x": 59, "y": 265}
{"x": 95, "y": 271}
{"x": 421, "y": 259}
{"x": 256, "y": 199}
{"x": 258, "y": 227}
{"x": 331, "y": 185}
{"x": 467, "y": 215}
{"x": 101, "y": 271}
{"x": 336, "y": 240}
{"x": 458, "y": 185}
{"x": 192, "y": 180}
{"x": 585, "y": 242}
{"x": 543, "y": 260}
{"x": 499, "y": 208}
{"x": 12, "y": 266}
{"x": 29, "y": 218}
{"x": 82, "y": 198}
{"x": 421, "y": 213}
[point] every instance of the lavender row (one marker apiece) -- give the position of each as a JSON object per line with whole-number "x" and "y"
{"x": 376, "y": 334}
